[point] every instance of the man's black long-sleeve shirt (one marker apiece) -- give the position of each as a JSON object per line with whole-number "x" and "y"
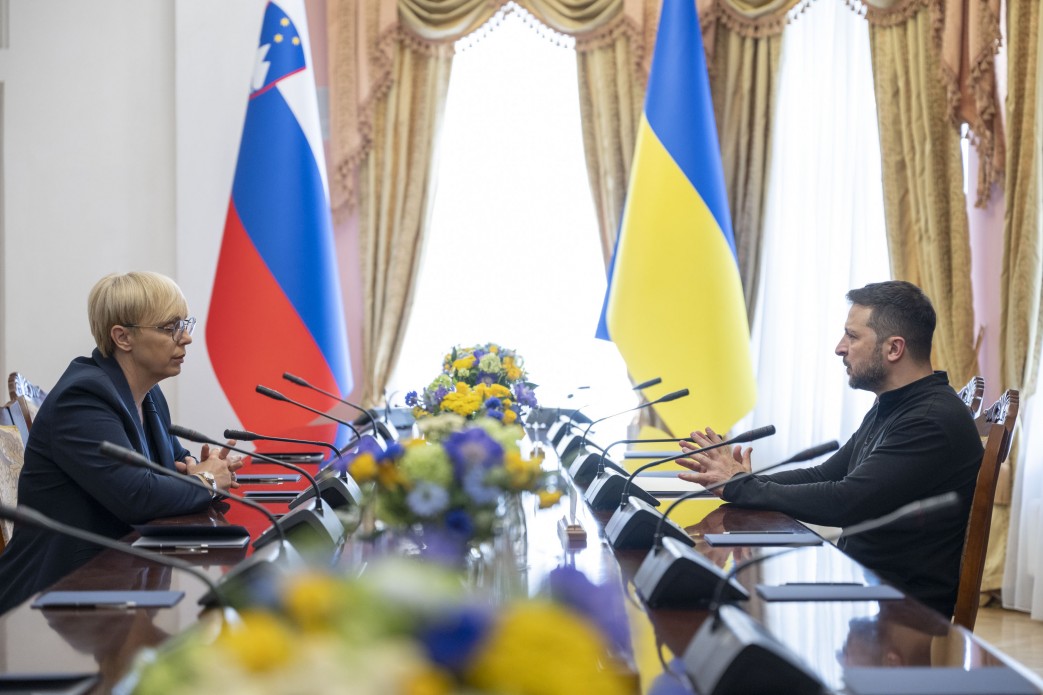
{"x": 915, "y": 442}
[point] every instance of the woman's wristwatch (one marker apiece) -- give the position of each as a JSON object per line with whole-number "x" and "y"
{"x": 210, "y": 480}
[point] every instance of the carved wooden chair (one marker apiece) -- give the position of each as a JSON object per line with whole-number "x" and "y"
{"x": 996, "y": 426}
{"x": 973, "y": 393}
{"x": 13, "y": 431}
{"x": 28, "y": 394}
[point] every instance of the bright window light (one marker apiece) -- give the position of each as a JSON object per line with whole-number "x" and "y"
{"x": 512, "y": 254}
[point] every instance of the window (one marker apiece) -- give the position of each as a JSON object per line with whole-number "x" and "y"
{"x": 512, "y": 253}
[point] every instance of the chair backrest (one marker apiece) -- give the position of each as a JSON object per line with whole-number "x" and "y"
{"x": 973, "y": 393}
{"x": 12, "y": 449}
{"x": 996, "y": 426}
{"x": 28, "y": 394}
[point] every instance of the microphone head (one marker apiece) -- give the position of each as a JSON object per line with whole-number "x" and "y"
{"x": 271, "y": 393}
{"x": 673, "y": 396}
{"x": 754, "y": 434}
{"x": 646, "y": 384}
{"x": 816, "y": 451}
{"x": 295, "y": 379}
{"x": 191, "y": 435}
{"x": 241, "y": 435}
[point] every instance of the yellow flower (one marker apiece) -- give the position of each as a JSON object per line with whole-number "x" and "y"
{"x": 548, "y": 498}
{"x": 390, "y": 477}
{"x": 521, "y": 473}
{"x": 312, "y": 599}
{"x": 465, "y": 362}
{"x": 429, "y": 681}
{"x": 513, "y": 373}
{"x": 494, "y": 348}
{"x": 542, "y": 649}
{"x": 499, "y": 391}
{"x": 363, "y": 468}
{"x": 509, "y": 416}
{"x": 261, "y": 643}
{"x": 462, "y": 402}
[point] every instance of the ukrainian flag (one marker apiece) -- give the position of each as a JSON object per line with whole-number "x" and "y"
{"x": 674, "y": 304}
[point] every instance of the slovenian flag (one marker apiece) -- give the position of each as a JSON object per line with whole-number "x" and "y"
{"x": 674, "y": 304}
{"x": 276, "y": 303}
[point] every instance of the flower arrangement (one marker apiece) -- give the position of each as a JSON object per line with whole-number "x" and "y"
{"x": 402, "y": 627}
{"x": 453, "y": 479}
{"x": 482, "y": 380}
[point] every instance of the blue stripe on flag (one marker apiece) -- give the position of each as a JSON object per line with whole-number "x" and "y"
{"x": 682, "y": 120}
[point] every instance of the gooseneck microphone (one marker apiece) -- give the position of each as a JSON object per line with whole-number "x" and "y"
{"x": 389, "y": 434}
{"x": 301, "y": 382}
{"x": 248, "y": 436}
{"x": 609, "y": 490}
{"x": 338, "y": 491}
{"x": 743, "y": 438}
{"x": 327, "y": 529}
{"x": 567, "y": 425}
{"x": 732, "y": 653}
{"x": 647, "y": 384}
{"x": 31, "y": 517}
{"x": 200, "y": 438}
{"x": 672, "y": 396}
{"x": 799, "y": 457}
{"x": 275, "y": 395}
{"x": 122, "y": 453}
{"x": 673, "y": 574}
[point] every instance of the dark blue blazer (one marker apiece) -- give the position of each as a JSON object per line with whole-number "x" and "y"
{"x": 65, "y": 478}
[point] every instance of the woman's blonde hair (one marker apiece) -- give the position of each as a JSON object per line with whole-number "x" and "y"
{"x": 133, "y": 298}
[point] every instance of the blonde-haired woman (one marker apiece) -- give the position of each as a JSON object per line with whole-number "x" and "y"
{"x": 142, "y": 329}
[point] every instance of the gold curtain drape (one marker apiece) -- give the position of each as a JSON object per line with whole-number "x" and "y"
{"x": 395, "y": 202}
{"x": 922, "y": 169}
{"x": 611, "y": 94}
{"x": 744, "y": 83}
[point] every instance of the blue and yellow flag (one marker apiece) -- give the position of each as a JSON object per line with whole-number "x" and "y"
{"x": 674, "y": 305}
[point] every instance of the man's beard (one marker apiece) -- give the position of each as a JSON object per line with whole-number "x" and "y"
{"x": 871, "y": 376}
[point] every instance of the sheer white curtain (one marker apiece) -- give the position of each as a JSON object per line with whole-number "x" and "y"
{"x": 512, "y": 255}
{"x": 1022, "y": 585}
{"x": 824, "y": 232}
{"x": 1023, "y": 574}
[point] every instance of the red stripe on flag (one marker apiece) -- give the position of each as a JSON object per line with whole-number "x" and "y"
{"x": 253, "y": 335}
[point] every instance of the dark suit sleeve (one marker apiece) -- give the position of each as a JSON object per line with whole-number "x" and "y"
{"x": 909, "y": 463}
{"x": 85, "y": 415}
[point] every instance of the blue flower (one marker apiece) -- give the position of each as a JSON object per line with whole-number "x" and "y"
{"x": 493, "y": 403}
{"x": 524, "y": 395}
{"x": 460, "y": 522}
{"x": 452, "y": 640}
{"x": 394, "y": 451}
{"x": 472, "y": 448}
{"x": 427, "y": 499}
{"x": 495, "y": 414}
{"x": 476, "y": 488}
{"x": 411, "y": 398}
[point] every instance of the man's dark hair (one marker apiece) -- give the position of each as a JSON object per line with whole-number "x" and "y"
{"x": 899, "y": 308}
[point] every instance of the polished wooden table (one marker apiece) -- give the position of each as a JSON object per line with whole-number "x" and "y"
{"x": 827, "y": 635}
